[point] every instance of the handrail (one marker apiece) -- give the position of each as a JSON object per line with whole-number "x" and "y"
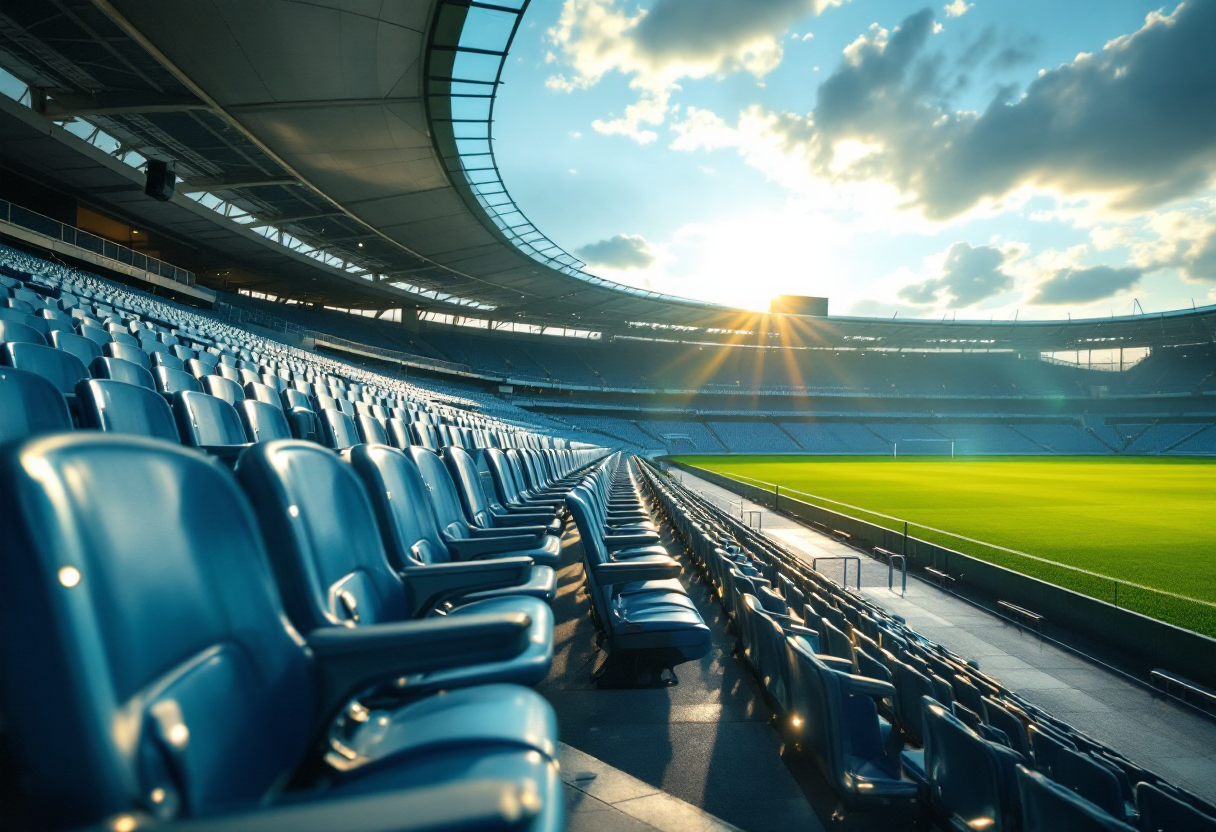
{"x": 903, "y": 564}
{"x": 73, "y": 236}
{"x": 846, "y": 558}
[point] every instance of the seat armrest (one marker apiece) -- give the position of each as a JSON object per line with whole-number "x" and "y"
{"x": 836, "y": 663}
{"x": 866, "y": 686}
{"x": 624, "y": 573}
{"x": 351, "y": 659}
{"x": 537, "y": 533}
{"x": 620, "y": 541}
{"x": 530, "y": 518}
{"x": 432, "y": 585}
{"x": 484, "y": 805}
{"x": 466, "y": 549}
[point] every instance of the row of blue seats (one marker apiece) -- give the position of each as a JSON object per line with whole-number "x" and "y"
{"x": 308, "y": 641}
{"x": 649, "y": 623}
{"x": 887, "y": 715}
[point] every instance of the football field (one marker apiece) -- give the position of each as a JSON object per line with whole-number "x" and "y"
{"x": 1148, "y": 523}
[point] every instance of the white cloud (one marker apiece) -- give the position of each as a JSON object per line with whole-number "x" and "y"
{"x": 968, "y": 276}
{"x": 671, "y": 41}
{"x": 958, "y": 8}
{"x": 624, "y": 251}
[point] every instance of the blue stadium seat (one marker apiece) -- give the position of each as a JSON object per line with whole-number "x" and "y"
{"x": 321, "y": 533}
{"x": 210, "y": 423}
{"x": 1046, "y": 806}
{"x": 25, "y": 318}
{"x": 970, "y": 780}
{"x": 83, "y": 348}
{"x": 96, "y": 334}
{"x": 116, "y": 407}
{"x": 167, "y": 359}
{"x": 263, "y": 393}
{"x": 1161, "y": 811}
{"x": 14, "y": 332}
{"x": 62, "y": 369}
{"x": 115, "y": 369}
{"x": 410, "y": 532}
{"x": 29, "y": 404}
{"x": 167, "y": 621}
{"x": 398, "y": 433}
{"x": 1093, "y": 781}
{"x": 644, "y": 613}
{"x": 126, "y": 352}
{"x": 337, "y": 430}
{"x": 263, "y": 422}
{"x": 370, "y": 431}
{"x": 294, "y": 398}
{"x": 532, "y": 541}
{"x": 170, "y": 381}
{"x": 480, "y": 510}
{"x": 222, "y": 388}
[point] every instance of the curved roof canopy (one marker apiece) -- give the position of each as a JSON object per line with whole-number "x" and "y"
{"x": 364, "y": 128}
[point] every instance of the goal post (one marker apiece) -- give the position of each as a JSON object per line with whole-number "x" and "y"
{"x": 924, "y": 447}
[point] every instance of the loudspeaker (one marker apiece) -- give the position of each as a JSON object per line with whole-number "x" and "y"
{"x": 161, "y": 180}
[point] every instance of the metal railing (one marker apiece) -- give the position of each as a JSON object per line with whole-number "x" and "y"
{"x": 846, "y": 558}
{"x": 47, "y": 227}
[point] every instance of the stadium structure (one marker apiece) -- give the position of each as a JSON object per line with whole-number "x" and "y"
{"x": 336, "y": 495}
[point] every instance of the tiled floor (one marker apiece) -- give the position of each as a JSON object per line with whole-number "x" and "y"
{"x": 1158, "y": 734}
{"x": 600, "y": 798}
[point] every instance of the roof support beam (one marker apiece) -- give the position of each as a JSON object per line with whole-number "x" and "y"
{"x": 115, "y": 103}
{"x": 286, "y": 220}
{"x": 237, "y": 181}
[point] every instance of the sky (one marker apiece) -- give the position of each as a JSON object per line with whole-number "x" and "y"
{"x": 985, "y": 159}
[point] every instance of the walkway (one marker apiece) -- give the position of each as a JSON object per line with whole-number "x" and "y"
{"x": 705, "y": 742}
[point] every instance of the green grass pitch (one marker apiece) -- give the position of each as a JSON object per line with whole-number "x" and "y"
{"x": 1148, "y": 521}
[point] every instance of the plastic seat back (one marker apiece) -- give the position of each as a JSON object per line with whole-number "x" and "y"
{"x": 206, "y": 421}
{"x": 468, "y": 484}
{"x": 13, "y": 332}
{"x": 294, "y": 398}
{"x": 1049, "y": 807}
{"x": 263, "y": 422}
{"x": 126, "y": 352}
{"x": 29, "y": 405}
{"x": 167, "y": 359}
{"x": 222, "y": 388}
{"x": 1163, "y": 812}
{"x": 115, "y": 369}
{"x": 911, "y": 687}
{"x": 262, "y": 393}
{"x": 170, "y": 381}
{"x": 115, "y": 407}
{"x": 83, "y": 348}
{"x": 444, "y": 497}
{"x": 370, "y": 431}
{"x": 60, "y": 368}
{"x": 1046, "y": 746}
{"x": 337, "y": 430}
{"x": 326, "y": 553}
{"x": 965, "y": 775}
{"x": 161, "y": 677}
{"x": 996, "y": 715}
{"x": 1078, "y": 771}
{"x": 398, "y": 434}
{"x": 408, "y": 527}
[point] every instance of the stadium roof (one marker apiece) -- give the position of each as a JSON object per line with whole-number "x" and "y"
{"x": 347, "y": 150}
